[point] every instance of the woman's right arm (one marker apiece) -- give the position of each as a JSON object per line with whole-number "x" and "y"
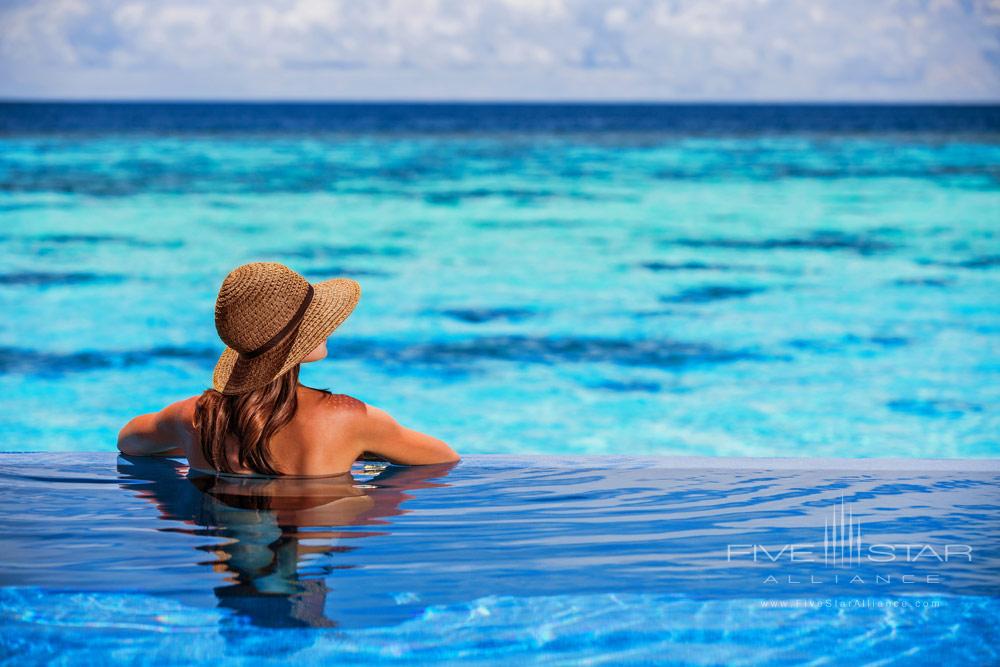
{"x": 375, "y": 431}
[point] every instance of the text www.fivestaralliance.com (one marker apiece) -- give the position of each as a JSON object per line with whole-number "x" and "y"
{"x": 847, "y": 603}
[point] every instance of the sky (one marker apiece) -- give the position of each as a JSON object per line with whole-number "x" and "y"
{"x": 669, "y": 50}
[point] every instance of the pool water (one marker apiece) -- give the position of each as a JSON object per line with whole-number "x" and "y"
{"x": 560, "y": 560}
{"x": 606, "y": 279}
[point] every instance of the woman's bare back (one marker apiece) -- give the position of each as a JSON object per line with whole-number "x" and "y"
{"x": 310, "y": 444}
{"x": 326, "y": 435}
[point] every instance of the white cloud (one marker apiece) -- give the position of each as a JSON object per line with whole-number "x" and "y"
{"x": 648, "y": 49}
{"x": 616, "y": 17}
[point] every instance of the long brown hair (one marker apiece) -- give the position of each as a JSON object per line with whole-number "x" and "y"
{"x": 252, "y": 418}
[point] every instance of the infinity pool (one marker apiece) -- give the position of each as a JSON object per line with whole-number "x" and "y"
{"x": 547, "y": 559}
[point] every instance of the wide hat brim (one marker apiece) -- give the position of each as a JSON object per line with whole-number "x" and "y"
{"x": 333, "y": 301}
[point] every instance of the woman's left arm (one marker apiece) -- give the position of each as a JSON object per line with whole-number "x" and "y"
{"x": 158, "y": 433}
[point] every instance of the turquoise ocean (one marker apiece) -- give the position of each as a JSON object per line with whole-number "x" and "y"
{"x": 738, "y": 281}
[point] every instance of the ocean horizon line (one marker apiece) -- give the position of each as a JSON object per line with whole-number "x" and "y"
{"x": 423, "y": 117}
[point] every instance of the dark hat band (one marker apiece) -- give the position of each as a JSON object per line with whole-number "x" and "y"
{"x": 287, "y": 329}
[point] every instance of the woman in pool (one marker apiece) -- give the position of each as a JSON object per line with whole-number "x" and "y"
{"x": 258, "y": 419}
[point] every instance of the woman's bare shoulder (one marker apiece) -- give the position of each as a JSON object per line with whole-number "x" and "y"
{"x": 343, "y": 404}
{"x": 340, "y": 412}
{"x": 348, "y": 409}
{"x": 372, "y": 430}
{"x": 181, "y": 413}
{"x": 353, "y": 420}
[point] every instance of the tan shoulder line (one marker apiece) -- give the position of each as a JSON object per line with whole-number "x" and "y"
{"x": 344, "y": 403}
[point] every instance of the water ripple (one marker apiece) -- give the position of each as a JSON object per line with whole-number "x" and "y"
{"x": 55, "y": 278}
{"x": 456, "y": 354}
{"x": 819, "y": 240}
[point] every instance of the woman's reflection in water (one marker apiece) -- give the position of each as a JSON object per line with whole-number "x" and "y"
{"x": 274, "y": 579}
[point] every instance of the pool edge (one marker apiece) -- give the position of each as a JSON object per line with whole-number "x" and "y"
{"x": 984, "y": 465}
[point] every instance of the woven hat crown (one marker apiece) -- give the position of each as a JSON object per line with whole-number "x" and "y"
{"x": 255, "y": 302}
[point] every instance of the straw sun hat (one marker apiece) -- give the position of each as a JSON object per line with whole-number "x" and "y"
{"x": 270, "y": 318}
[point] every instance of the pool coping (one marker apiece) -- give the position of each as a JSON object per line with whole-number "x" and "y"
{"x": 984, "y": 465}
{"x": 752, "y": 462}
